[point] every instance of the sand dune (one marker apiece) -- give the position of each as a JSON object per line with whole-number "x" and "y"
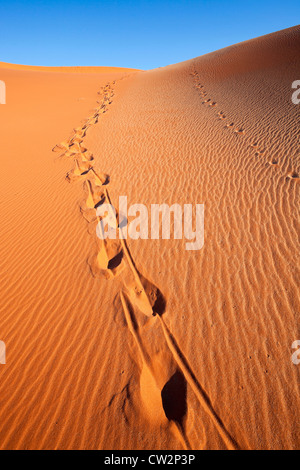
{"x": 130, "y": 344}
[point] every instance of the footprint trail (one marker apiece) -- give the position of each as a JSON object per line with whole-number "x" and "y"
{"x": 238, "y": 131}
{"x": 167, "y": 373}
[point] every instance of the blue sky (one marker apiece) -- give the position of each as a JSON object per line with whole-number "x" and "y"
{"x": 136, "y": 33}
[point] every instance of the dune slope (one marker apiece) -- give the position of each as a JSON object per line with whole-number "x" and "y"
{"x": 88, "y": 366}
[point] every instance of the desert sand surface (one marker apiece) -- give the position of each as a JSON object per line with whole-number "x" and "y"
{"x": 88, "y": 364}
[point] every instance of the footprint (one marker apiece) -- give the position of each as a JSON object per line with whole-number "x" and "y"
{"x": 94, "y": 120}
{"x": 196, "y": 386}
{"x": 88, "y": 207}
{"x": 293, "y": 175}
{"x": 174, "y": 398}
{"x": 144, "y": 295}
{"x": 79, "y": 170}
{"x": 76, "y": 147}
{"x": 80, "y": 132}
{"x": 76, "y": 140}
{"x": 70, "y": 153}
{"x": 163, "y": 388}
{"x": 110, "y": 255}
{"x": 90, "y": 202}
{"x": 103, "y": 109}
{"x": 100, "y": 178}
{"x": 95, "y": 193}
{"x": 108, "y": 260}
{"x": 86, "y": 156}
{"x": 64, "y": 146}
{"x": 239, "y": 131}
{"x": 108, "y": 218}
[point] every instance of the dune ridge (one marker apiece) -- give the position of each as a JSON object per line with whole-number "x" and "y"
{"x": 69, "y": 69}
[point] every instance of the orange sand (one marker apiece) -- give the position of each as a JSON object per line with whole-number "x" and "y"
{"x": 88, "y": 366}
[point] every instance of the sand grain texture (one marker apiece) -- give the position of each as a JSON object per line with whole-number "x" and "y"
{"x": 88, "y": 366}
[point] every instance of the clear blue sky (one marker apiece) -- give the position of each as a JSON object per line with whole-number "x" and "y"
{"x": 132, "y": 33}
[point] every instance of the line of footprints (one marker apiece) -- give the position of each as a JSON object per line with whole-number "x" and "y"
{"x": 111, "y": 254}
{"x": 293, "y": 175}
{"x": 165, "y": 371}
